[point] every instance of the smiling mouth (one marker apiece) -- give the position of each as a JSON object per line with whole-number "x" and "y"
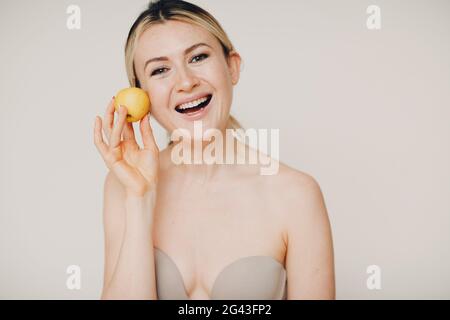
{"x": 196, "y": 108}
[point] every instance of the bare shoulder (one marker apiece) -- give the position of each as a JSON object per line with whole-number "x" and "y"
{"x": 297, "y": 194}
{"x": 292, "y": 182}
{"x": 307, "y": 230}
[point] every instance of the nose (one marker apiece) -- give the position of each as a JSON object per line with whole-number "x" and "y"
{"x": 186, "y": 80}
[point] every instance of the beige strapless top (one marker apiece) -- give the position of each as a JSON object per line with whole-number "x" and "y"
{"x": 248, "y": 278}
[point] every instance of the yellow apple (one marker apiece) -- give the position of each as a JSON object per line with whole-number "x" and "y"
{"x": 135, "y": 100}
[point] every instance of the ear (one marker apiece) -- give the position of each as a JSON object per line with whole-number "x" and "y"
{"x": 234, "y": 66}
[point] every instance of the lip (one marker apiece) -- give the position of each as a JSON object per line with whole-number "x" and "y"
{"x": 198, "y": 114}
{"x": 193, "y": 98}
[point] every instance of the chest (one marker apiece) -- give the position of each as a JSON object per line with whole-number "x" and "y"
{"x": 203, "y": 230}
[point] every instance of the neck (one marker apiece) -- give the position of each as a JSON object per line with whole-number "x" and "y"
{"x": 202, "y": 161}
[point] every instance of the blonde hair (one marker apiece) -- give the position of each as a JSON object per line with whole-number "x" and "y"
{"x": 164, "y": 10}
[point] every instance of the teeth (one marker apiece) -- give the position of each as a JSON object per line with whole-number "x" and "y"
{"x": 192, "y": 103}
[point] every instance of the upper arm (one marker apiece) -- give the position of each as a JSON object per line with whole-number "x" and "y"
{"x": 310, "y": 257}
{"x": 113, "y": 223}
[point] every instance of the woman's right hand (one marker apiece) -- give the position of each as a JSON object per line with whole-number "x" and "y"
{"x": 135, "y": 167}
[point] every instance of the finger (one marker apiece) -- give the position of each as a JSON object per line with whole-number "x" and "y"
{"x": 147, "y": 134}
{"x": 118, "y": 128}
{"x": 109, "y": 118}
{"x": 128, "y": 132}
{"x": 102, "y": 147}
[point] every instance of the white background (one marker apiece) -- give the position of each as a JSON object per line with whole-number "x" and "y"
{"x": 365, "y": 112}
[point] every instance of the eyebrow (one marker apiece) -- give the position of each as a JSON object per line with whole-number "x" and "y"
{"x": 191, "y": 48}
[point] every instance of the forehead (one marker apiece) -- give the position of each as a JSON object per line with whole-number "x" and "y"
{"x": 171, "y": 37}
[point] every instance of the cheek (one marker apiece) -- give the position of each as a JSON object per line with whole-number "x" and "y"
{"x": 221, "y": 79}
{"x": 221, "y": 75}
{"x": 159, "y": 96}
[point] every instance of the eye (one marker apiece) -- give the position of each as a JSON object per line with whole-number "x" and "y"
{"x": 196, "y": 58}
{"x": 158, "y": 71}
{"x": 200, "y": 57}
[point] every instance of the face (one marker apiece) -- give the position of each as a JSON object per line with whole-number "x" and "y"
{"x": 183, "y": 69}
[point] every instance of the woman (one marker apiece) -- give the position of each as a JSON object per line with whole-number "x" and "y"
{"x": 201, "y": 231}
